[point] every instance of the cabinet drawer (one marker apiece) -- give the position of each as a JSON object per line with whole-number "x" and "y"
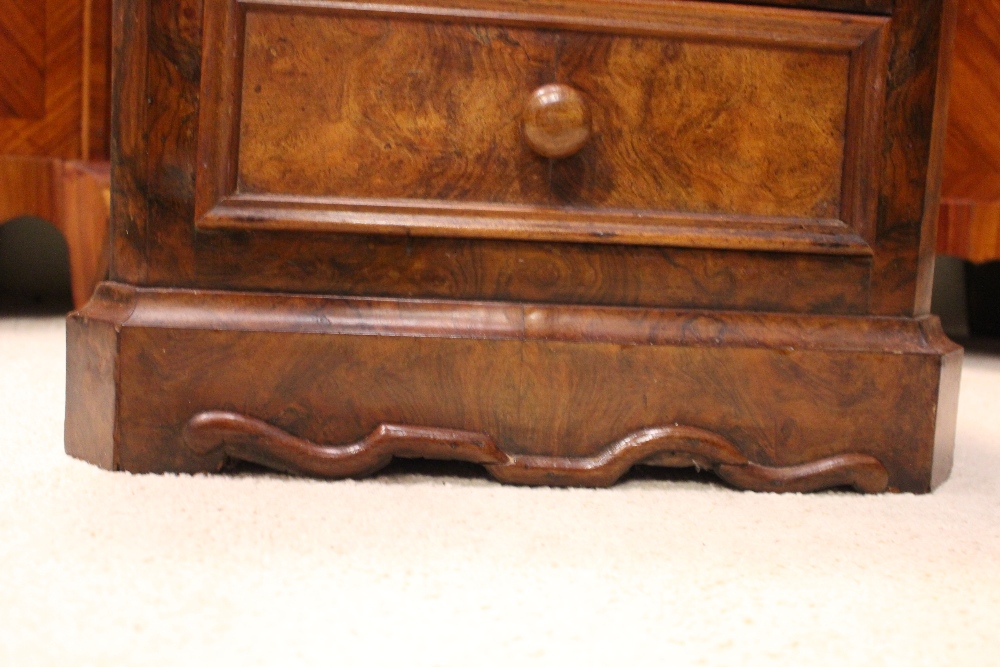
{"x": 699, "y": 125}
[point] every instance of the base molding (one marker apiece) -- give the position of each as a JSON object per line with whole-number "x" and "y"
{"x": 231, "y": 435}
{"x": 538, "y": 394}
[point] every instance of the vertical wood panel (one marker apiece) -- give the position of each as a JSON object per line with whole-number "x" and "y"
{"x": 969, "y": 226}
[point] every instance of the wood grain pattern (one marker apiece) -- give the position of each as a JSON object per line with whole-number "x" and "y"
{"x": 534, "y": 272}
{"x": 706, "y": 127}
{"x": 969, "y": 226}
{"x": 915, "y": 114}
{"x": 424, "y": 110}
{"x": 658, "y": 102}
{"x": 92, "y": 388}
{"x": 554, "y": 326}
{"x": 237, "y": 436}
{"x": 130, "y": 26}
{"x": 427, "y": 110}
{"x": 84, "y": 209}
{"x": 551, "y": 381}
{"x": 61, "y": 74}
{"x": 29, "y": 187}
{"x": 180, "y": 257}
{"x": 969, "y": 229}
{"x": 22, "y": 51}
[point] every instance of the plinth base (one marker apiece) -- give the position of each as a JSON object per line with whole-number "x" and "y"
{"x": 181, "y": 381}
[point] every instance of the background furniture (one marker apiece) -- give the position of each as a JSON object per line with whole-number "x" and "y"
{"x": 556, "y": 239}
{"x": 970, "y": 192}
{"x": 54, "y": 95}
{"x": 969, "y": 226}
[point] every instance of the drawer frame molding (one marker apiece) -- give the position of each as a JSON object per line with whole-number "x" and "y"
{"x": 219, "y": 205}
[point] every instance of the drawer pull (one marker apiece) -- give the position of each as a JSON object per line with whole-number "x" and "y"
{"x": 556, "y": 121}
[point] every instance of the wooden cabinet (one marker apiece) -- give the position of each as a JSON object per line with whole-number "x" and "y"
{"x": 54, "y": 93}
{"x": 557, "y": 239}
{"x": 970, "y": 208}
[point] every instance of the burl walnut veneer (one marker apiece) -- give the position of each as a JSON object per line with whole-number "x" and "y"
{"x": 554, "y": 238}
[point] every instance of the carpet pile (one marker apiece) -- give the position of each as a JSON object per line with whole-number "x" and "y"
{"x": 432, "y": 564}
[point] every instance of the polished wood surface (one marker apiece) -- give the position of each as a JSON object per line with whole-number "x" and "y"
{"x": 83, "y": 219}
{"x": 228, "y": 435}
{"x": 333, "y": 245}
{"x": 556, "y": 121}
{"x": 970, "y": 208}
{"x": 54, "y": 87}
{"x": 29, "y": 187}
{"x": 684, "y": 130}
{"x": 22, "y": 50}
{"x": 559, "y": 382}
{"x": 54, "y": 122}
{"x": 903, "y": 151}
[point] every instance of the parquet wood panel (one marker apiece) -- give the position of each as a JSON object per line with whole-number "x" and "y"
{"x": 969, "y": 225}
{"x": 54, "y": 91}
{"x": 54, "y": 104}
{"x": 22, "y": 52}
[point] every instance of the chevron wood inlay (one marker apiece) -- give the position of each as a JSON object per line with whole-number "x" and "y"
{"x": 969, "y": 225}
{"x": 54, "y": 92}
{"x": 53, "y": 83}
{"x": 22, "y": 51}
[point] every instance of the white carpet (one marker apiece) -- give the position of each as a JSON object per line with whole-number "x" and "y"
{"x": 98, "y": 568}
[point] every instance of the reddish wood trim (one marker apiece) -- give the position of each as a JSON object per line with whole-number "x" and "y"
{"x": 903, "y": 268}
{"x": 969, "y": 229}
{"x": 30, "y": 187}
{"x": 70, "y": 195}
{"x": 83, "y": 211}
{"x": 85, "y": 67}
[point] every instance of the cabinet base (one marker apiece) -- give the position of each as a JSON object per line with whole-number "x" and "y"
{"x": 175, "y": 380}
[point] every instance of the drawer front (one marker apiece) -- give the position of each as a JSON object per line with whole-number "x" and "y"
{"x": 705, "y": 125}
{"x": 381, "y": 108}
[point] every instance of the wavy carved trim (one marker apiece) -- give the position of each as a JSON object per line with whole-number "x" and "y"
{"x": 236, "y": 436}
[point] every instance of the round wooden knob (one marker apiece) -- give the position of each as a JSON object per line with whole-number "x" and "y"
{"x": 556, "y": 121}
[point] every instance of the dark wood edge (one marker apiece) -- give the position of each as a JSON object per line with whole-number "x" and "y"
{"x": 533, "y": 223}
{"x": 130, "y": 157}
{"x": 863, "y": 150}
{"x": 946, "y": 416}
{"x": 361, "y": 316}
{"x": 220, "y": 103}
{"x": 667, "y": 18}
{"x": 91, "y": 428}
{"x": 229, "y": 435}
{"x": 851, "y": 6}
